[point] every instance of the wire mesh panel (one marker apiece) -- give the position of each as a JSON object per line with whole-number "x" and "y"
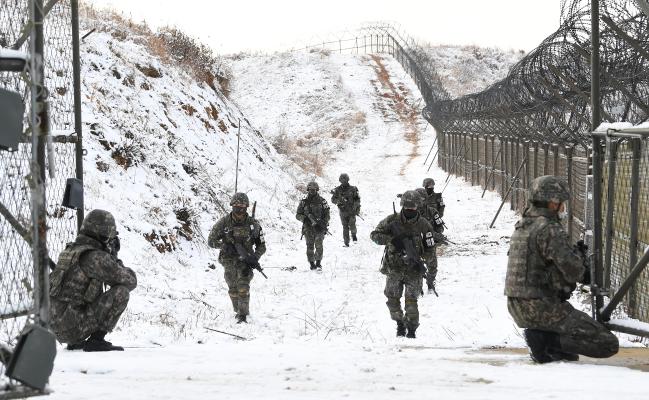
{"x": 18, "y": 290}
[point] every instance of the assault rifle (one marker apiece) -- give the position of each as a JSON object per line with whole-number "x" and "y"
{"x": 317, "y": 223}
{"x": 248, "y": 258}
{"x": 583, "y": 249}
{"x": 408, "y": 250}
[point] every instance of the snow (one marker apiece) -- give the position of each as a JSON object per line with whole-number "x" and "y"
{"x": 311, "y": 335}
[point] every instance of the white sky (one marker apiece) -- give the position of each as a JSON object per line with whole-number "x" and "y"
{"x": 238, "y": 25}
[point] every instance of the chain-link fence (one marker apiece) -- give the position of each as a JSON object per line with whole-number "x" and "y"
{"x": 625, "y": 199}
{"x": 23, "y": 291}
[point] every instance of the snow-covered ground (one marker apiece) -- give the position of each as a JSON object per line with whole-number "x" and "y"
{"x": 327, "y": 335}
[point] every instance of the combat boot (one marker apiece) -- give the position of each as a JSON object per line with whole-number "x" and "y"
{"x": 401, "y": 329}
{"x": 313, "y": 266}
{"x": 96, "y": 342}
{"x": 318, "y": 265}
{"x": 354, "y": 237}
{"x": 241, "y": 319}
{"x": 75, "y": 346}
{"x": 537, "y": 342}
{"x": 411, "y": 332}
{"x": 92, "y": 345}
{"x": 346, "y": 243}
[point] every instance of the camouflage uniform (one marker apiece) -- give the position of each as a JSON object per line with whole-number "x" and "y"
{"x": 246, "y": 231}
{"x": 542, "y": 271}
{"x": 314, "y": 234}
{"x": 348, "y": 201}
{"x": 428, "y": 210}
{"x": 432, "y": 199}
{"x": 79, "y": 306}
{"x": 399, "y": 274}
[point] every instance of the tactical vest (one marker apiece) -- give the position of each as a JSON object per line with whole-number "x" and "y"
{"x": 314, "y": 206}
{"x": 528, "y": 275}
{"x": 68, "y": 282}
{"x": 347, "y": 197}
{"x": 393, "y": 260}
{"x": 245, "y": 232}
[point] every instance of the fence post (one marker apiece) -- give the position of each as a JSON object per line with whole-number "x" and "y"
{"x": 78, "y": 125}
{"x": 555, "y": 161}
{"x": 571, "y": 202}
{"x": 493, "y": 160}
{"x": 546, "y": 166}
{"x": 526, "y": 180}
{"x": 536, "y": 159}
{"x": 503, "y": 165}
{"x": 473, "y": 157}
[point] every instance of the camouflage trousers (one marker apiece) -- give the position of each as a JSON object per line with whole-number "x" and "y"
{"x": 349, "y": 224}
{"x": 314, "y": 249}
{"x": 431, "y": 263}
{"x": 73, "y": 324}
{"x": 578, "y": 332}
{"x": 409, "y": 285}
{"x": 238, "y": 277}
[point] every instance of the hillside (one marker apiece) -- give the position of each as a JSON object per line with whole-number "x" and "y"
{"x": 470, "y": 69}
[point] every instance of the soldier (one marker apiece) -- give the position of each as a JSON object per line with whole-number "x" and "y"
{"x": 238, "y": 229}
{"x": 542, "y": 271}
{"x": 348, "y": 201}
{"x": 82, "y": 312}
{"x": 313, "y": 211}
{"x": 429, "y": 204}
{"x": 431, "y": 198}
{"x": 407, "y": 238}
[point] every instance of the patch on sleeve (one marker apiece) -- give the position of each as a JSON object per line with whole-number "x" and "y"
{"x": 429, "y": 239}
{"x": 261, "y": 236}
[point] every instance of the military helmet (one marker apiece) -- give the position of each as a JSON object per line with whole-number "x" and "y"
{"x": 344, "y": 178}
{"x": 99, "y": 224}
{"x": 549, "y": 188}
{"x": 428, "y": 182}
{"x": 410, "y": 199}
{"x": 313, "y": 185}
{"x": 239, "y": 200}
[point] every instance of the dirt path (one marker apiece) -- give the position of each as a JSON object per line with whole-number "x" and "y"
{"x": 395, "y": 97}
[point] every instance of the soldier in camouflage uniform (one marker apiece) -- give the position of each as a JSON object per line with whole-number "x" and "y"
{"x": 82, "y": 313}
{"x": 542, "y": 271}
{"x": 348, "y": 201}
{"x": 403, "y": 272}
{"x": 431, "y": 204}
{"x": 238, "y": 228}
{"x": 313, "y": 211}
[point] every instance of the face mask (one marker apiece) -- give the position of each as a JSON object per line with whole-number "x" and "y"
{"x": 239, "y": 211}
{"x": 408, "y": 213}
{"x": 312, "y": 192}
{"x": 430, "y": 190}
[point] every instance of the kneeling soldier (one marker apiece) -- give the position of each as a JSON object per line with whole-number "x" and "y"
{"x": 238, "y": 229}
{"x": 542, "y": 272}
{"x": 82, "y": 312}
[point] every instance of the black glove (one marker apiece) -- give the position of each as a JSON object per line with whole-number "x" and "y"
{"x": 114, "y": 246}
{"x": 583, "y": 249}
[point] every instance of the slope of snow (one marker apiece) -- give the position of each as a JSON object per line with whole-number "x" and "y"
{"x": 470, "y": 69}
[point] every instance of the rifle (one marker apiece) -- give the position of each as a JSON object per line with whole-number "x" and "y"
{"x": 583, "y": 249}
{"x": 247, "y": 258}
{"x": 445, "y": 241}
{"x": 316, "y": 223}
{"x": 409, "y": 252}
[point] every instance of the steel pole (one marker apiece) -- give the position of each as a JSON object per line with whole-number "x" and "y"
{"x": 507, "y": 194}
{"x": 78, "y": 125}
{"x": 236, "y": 174}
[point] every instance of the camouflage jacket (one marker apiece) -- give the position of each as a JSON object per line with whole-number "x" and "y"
{"x": 419, "y": 229}
{"x": 347, "y": 199}
{"x": 428, "y": 210}
{"x": 542, "y": 263}
{"x": 84, "y": 267}
{"x": 316, "y": 206}
{"x": 434, "y": 202}
{"x": 227, "y": 231}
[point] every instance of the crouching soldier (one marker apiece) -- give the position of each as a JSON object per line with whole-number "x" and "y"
{"x": 408, "y": 240}
{"x": 313, "y": 211}
{"x": 542, "y": 271}
{"x": 82, "y": 312}
{"x": 346, "y": 197}
{"x": 241, "y": 241}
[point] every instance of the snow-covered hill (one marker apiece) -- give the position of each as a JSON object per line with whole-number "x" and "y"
{"x": 470, "y": 69}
